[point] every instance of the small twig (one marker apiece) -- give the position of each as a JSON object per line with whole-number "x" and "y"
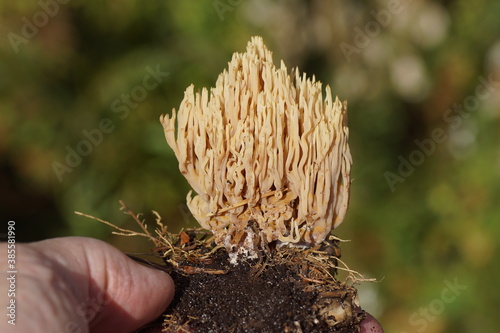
{"x": 195, "y": 270}
{"x": 136, "y": 219}
{"x": 312, "y": 280}
{"x": 123, "y": 232}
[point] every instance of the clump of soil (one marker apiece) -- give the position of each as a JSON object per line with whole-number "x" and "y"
{"x": 287, "y": 289}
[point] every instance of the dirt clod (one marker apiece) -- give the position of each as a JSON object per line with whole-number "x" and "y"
{"x": 284, "y": 290}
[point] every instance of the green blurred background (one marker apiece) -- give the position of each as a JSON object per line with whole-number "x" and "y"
{"x": 424, "y": 129}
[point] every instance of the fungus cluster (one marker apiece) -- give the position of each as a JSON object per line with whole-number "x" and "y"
{"x": 267, "y": 156}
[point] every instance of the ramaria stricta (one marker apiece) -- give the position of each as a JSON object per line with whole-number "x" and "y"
{"x": 266, "y": 154}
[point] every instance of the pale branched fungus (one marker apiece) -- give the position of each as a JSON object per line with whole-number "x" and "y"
{"x": 266, "y": 154}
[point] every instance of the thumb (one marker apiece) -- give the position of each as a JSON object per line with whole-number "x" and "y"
{"x": 115, "y": 293}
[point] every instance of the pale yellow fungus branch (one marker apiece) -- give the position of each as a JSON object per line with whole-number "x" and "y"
{"x": 263, "y": 146}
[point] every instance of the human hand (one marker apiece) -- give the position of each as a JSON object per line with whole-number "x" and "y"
{"x": 78, "y": 284}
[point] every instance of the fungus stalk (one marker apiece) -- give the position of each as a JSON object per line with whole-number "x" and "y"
{"x": 267, "y": 156}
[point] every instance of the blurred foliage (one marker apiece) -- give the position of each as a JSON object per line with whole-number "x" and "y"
{"x": 79, "y": 60}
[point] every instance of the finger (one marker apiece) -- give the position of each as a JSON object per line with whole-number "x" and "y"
{"x": 370, "y": 325}
{"x": 120, "y": 295}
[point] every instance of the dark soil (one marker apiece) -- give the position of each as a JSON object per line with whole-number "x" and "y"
{"x": 242, "y": 301}
{"x": 285, "y": 290}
